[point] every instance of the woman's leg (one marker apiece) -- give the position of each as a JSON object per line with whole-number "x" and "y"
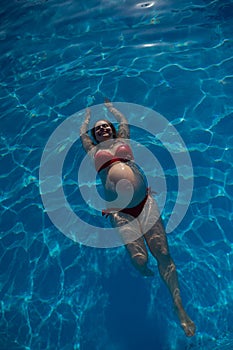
{"x": 157, "y": 242}
{"x": 139, "y": 257}
{"x": 136, "y": 249}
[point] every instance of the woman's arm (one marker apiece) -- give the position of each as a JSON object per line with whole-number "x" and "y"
{"x": 123, "y": 130}
{"x": 85, "y": 138}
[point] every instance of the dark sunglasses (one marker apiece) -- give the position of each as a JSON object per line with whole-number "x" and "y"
{"x": 97, "y": 128}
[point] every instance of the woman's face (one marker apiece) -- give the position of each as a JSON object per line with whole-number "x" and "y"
{"x": 103, "y": 131}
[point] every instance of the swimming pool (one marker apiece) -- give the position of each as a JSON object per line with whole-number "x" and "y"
{"x": 57, "y": 58}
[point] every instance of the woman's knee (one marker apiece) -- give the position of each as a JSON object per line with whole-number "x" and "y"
{"x": 139, "y": 260}
{"x": 140, "y": 263}
{"x": 158, "y": 247}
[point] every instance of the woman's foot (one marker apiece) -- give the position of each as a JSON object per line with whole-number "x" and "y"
{"x": 188, "y": 327}
{"x": 186, "y": 323}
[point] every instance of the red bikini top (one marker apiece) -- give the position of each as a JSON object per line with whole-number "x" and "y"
{"x": 104, "y": 158}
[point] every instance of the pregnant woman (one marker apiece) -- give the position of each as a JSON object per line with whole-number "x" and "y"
{"x": 137, "y": 218}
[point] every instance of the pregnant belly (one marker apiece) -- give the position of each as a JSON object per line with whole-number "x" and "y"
{"x": 120, "y": 171}
{"x": 127, "y": 182}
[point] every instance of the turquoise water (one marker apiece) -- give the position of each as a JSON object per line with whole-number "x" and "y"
{"x": 57, "y": 58}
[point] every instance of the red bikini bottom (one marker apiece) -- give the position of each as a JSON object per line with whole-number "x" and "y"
{"x": 135, "y": 211}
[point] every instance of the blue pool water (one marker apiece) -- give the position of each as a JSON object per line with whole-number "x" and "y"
{"x": 57, "y": 58}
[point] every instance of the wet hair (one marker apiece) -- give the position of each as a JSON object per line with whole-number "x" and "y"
{"x": 114, "y": 132}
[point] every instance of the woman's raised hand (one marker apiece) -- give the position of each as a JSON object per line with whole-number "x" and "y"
{"x": 107, "y": 103}
{"x": 88, "y": 114}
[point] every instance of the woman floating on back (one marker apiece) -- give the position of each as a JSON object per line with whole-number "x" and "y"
{"x": 114, "y": 162}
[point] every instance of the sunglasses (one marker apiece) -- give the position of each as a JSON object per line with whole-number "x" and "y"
{"x": 102, "y": 126}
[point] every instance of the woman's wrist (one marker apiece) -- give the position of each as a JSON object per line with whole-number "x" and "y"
{"x": 88, "y": 116}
